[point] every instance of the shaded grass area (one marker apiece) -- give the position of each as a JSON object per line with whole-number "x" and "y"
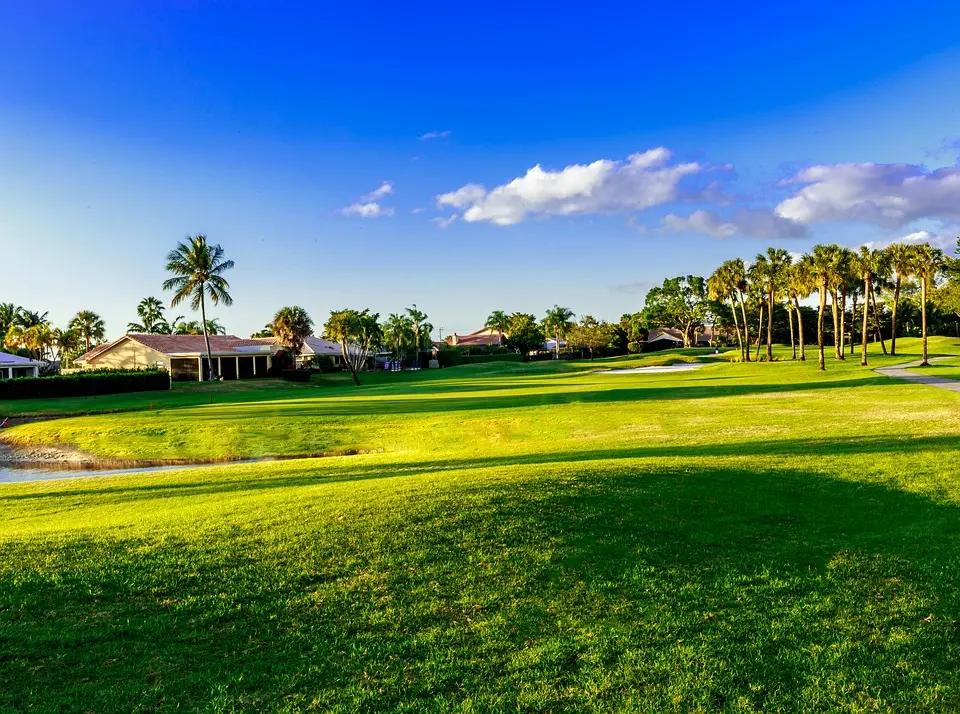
{"x": 742, "y": 538}
{"x": 948, "y": 368}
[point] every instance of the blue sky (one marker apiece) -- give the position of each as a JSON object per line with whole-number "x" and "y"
{"x": 126, "y": 126}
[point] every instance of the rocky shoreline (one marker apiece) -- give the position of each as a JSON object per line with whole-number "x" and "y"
{"x": 16, "y": 453}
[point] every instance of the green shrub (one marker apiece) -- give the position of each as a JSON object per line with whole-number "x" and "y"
{"x": 296, "y": 375}
{"x": 85, "y": 384}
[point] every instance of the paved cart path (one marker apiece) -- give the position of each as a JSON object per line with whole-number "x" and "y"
{"x": 899, "y": 371}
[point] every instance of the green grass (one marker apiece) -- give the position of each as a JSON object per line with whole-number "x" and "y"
{"x": 541, "y": 537}
{"x": 948, "y": 368}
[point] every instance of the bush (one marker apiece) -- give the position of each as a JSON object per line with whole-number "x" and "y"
{"x": 324, "y": 364}
{"x": 296, "y": 375}
{"x": 85, "y": 384}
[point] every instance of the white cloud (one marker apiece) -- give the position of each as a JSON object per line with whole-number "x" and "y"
{"x": 415, "y": 211}
{"x": 946, "y": 241}
{"x": 642, "y": 181}
{"x": 753, "y": 222}
{"x": 435, "y": 135}
{"x": 444, "y": 222}
{"x": 885, "y": 194}
{"x": 464, "y": 196}
{"x": 370, "y": 209}
{"x": 385, "y": 189}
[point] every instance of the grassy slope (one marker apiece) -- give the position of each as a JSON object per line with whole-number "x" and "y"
{"x": 743, "y": 538}
{"x": 949, "y": 368}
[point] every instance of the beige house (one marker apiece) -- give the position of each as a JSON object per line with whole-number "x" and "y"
{"x": 184, "y": 356}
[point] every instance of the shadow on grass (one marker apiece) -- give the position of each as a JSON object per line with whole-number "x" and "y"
{"x": 414, "y": 403}
{"x": 774, "y": 591}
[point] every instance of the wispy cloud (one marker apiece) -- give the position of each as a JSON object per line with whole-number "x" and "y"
{"x": 369, "y": 205}
{"x": 757, "y": 223}
{"x": 435, "y": 135}
{"x": 385, "y": 189}
{"x": 444, "y": 222}
{"x": 371, "y": 209}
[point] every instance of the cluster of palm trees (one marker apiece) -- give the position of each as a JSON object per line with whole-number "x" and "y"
{"x": 557, "y": 323}
{"x": 408, "y": 331}
{"x": 835, "y": 273}
{"x": 30, "y": 332}
{"x": 153, "y": 321}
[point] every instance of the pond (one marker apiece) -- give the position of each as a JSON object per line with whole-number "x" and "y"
{"x": 19, "y": 471}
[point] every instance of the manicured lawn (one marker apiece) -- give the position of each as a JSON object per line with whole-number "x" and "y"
{"x": 949, "y": 368}
{"x": 540, "y": 537}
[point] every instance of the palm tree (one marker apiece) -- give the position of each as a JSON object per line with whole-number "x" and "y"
{"x": 198, "y": 269}
{"x": 558, "y": 322}
{"x": 721, "y": 285}
{"x": 66, "y": 342}
{"x": 738, "y": 277}
{"x": 152, "y": 321}
{"x": 38, "y": 339}
{"x": 499, "y": 321}
{"x": 820, "y": 267}
{"x": 769, "y": 272}
{"x": 798, "y": 285}
{"x": 9, "y": 315}
{"x": 398, "y": 332}
{"x": 900, "y": 260}
{"x": 292, "y": 326}
{"x": 868, "y": 264}
{"x": 927, "y": 263}
{"x": 89, "y": 327}
{"x": 421, "y": 330}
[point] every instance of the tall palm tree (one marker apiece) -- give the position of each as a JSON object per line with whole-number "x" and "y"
{"x": 89, "y": 326}
{"x": 868, "y": 264}
{"x": 9, "y": 315}
{"x": 900, "y": 259}
{"x": 720, "y": 286}
{"x": 398, "y": 333}
{"x": 738, "y": 277}
{"x": 198, "y": 269}
{"x": 820, "y": 266}
{"x": 770, "y": 273}
{"x": 421, "y": 329}
{"x": 498, "y": 320}
{"x": 66, "y": 342}
{"x": 152, "y": 320}
{"x": 798, "y": 285}
{"x": 292, "y": 326}
{"x": 558, "y": 323}
{"x": 927, "y": 263}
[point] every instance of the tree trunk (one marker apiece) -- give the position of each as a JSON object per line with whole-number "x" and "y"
{"x": 558, "y": 346}
{"x": 867, "y": 290}
{"x": 876, "y": 318}
{"x": 923, "y": 316}
{"x": 803, "y": 355}
{"x": 736, "y": 323}
{"x": 793, "y": 343}
{"x": 853, "y": 317}
{"x": 349, "y": 362}
{"x": 836, "y": 324}
{"x": 843, "y": 324}
{"x": 206, "y": 337}
{"x": 821, "y": 361}
{"x": 746, "y": 327}
{"x": 893, "y": 316}
{"x": 759, "y": 332}
{"x": 770, "y": 324}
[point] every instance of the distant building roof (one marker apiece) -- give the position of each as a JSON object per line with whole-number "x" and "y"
{"x": 486, "y": 336}
{"x": 188, "y": 345}
{"x": 8, "y": 360}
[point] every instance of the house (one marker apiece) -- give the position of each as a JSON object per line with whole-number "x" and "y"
{"x": 318, "y": 347}
{"x": 663, "y": 340}
{"x": 12, "y": 366}
{"x": 184, "y": 356}
{"x": 481, "y": 338}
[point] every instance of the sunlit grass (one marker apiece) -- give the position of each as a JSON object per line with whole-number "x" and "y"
{"x": 756, "y": 537}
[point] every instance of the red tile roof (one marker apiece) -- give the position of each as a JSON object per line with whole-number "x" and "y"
{"x": 185, "y": 344}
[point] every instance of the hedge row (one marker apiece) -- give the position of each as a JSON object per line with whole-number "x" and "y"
{"x": 85, "y": 384}
{"x": 452, "y": 358}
